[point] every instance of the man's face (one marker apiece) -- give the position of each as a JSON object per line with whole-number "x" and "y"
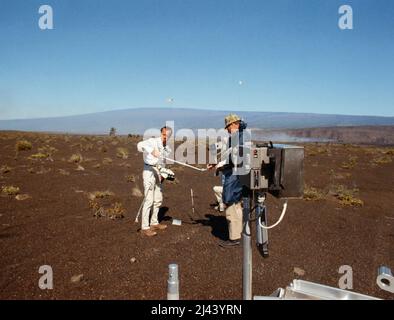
{"x": 165, "y": 135}
{"x": 233, "y": 127}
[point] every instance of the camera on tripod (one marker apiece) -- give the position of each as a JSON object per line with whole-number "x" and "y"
{"x": 275, "y": 168}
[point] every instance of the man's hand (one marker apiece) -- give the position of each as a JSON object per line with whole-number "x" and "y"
{"x": 156, "y": 153}
{"x": 211, "y": 166}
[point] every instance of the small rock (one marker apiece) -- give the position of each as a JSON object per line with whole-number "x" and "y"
{"x": 77, "y": 278}
{"x": 22, "y": 197}
{"x": 136, "y": 192}
{"x": 132, "y": 260}
{"x": 80, "y": 168}
{"x": 299, "y": 272}
{"x": 64, "y": 172}
{"x": 91, "y": 196}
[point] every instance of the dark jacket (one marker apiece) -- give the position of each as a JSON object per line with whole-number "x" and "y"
{"x": 232, "y": 188}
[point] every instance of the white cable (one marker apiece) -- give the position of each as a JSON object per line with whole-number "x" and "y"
{"x": 279, "y": 221}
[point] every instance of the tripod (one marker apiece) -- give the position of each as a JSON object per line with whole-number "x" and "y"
{"x": 260, "y": 210}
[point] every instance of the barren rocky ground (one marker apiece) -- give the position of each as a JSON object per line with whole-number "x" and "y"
{"x": 75, "y": 199}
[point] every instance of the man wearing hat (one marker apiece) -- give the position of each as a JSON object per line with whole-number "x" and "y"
{"x": 232, "y": 188}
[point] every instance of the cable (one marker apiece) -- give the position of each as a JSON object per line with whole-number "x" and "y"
{"x": 279, "y": 221}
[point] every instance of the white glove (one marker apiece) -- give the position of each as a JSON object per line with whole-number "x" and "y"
{"x": 166, "y": 173}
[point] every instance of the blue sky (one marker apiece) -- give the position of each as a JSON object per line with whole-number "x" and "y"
{"x": 107, "y": 55}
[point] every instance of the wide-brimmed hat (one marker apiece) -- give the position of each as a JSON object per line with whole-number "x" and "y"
{"x": 231, "y": 118}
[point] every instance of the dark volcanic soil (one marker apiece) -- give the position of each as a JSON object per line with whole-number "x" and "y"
{"x": 56, "y": 227}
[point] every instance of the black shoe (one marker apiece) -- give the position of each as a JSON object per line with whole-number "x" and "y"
{"x": 229, "y": 243}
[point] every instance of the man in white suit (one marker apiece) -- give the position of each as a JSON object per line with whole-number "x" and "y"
{"x": 154, "y": 150}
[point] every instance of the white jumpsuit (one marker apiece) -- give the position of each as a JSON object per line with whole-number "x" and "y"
{"x": 152, "y": 181}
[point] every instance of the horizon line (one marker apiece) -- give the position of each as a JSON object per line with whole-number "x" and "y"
{"x": 195, "y": 109}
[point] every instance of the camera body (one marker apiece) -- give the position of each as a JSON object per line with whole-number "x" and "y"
{"x": 275, "y": 168}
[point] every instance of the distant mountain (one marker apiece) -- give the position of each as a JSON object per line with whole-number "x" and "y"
{"x": 136, "y": 121}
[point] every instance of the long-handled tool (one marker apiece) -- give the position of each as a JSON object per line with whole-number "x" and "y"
{"x": 192, "y": 197}
{"x": 185, "y": 164}
{"x": 193, "y": 214}
{"x": 139, "y": 210}
{"x": 142, "y": 204}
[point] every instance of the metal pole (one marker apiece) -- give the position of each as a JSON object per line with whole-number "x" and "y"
{"x": 173, "y": 282}
{"x": 247, "y": 251}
